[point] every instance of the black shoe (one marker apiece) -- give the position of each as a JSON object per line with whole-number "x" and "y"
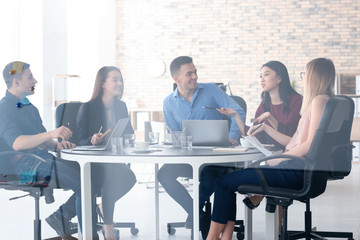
{"x": 249, "y": 204}
{"x": 59, "y": 224}
{"x": 205, "y": 219}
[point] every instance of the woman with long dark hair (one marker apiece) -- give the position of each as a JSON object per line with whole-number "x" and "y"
{"x": 103, "y": 111}
{"x": 280, "y": 104}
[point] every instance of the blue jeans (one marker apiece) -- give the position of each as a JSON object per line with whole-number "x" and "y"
{"x": 169, "y": 173}
{"x": 287, "y": 174}
{"x": 66, "y": 174}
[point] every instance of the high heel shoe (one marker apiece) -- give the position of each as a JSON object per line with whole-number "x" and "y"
{"x": 116, "y": 233}
{"x": 99, "y": 213}
{"x": 101, "y": 219}
{"x": 249, "y": 204}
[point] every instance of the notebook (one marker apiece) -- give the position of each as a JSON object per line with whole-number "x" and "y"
{"x": 207, "y": 132}
{"x": 116, "y": 133}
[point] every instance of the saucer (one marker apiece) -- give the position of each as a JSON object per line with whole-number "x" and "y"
{"x": 146, "y": 151}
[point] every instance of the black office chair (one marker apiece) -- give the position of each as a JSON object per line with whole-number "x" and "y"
{"x": 239, "y": 100}
{"x": 329, "y": 158}
{"x": 66, "y": 115}
{"x": 10, "y": 180}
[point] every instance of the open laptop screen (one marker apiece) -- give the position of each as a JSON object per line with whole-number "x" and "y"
{"x": 207, "y": 132}
{"x": 116, "y": 132}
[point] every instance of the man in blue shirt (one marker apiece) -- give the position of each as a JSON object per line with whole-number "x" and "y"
{"x": 21, "y": 129}
{"x": 187, "y": 102}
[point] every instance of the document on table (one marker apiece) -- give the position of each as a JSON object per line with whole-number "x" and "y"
{"x": 255, "y": 142}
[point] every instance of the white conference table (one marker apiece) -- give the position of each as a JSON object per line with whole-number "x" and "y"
{"x": 196, "y": 157}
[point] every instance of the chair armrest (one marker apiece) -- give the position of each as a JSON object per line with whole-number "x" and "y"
{"x": 259, "y": 161}
{"x": 6, "y": 163}
{"x": 264, "y": 187}
{"x": 341, "y": 158}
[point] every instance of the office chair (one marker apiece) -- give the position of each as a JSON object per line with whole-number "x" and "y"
{"x": 239, "y": 100}
{"x": 10, "y": 180}
{"x": 329, "y": 158}
{"x": 66, "y": 115}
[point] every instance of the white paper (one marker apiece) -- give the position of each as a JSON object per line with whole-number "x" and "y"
{"x": 253, "y": 140}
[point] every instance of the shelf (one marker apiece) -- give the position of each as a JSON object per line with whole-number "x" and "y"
{"x": 355, "y": 131}
{"x": 139, "y": 116}
{"x": 352, "y": 95}
{"x": 347, "y": 85}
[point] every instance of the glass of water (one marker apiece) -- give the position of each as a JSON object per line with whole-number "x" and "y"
{"x": 186, "y": 142}
{"x": 154, "y": 138}
{"x": 116, "y": 145}
{"x": 129, "y": 140}
{"x": 176, "y": 138}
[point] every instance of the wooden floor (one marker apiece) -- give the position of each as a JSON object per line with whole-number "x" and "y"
{"x": 337, "y": 209}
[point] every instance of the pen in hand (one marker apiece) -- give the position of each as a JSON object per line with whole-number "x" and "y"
{"x": 209, "y": 107}
{"x": 257, "y": 127}
{"x": 96, "y": 138}
{"x": 106, "y": 132}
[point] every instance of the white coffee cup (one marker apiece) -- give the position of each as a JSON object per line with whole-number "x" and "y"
{"x": 141, "y": 146}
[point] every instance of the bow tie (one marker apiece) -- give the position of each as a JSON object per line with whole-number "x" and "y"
{"x": 23, "y": 102}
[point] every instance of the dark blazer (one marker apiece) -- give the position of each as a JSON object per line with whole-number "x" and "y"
{"x": 92, "y": 116}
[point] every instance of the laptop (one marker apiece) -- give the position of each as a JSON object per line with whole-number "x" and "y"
{"x": 207, "y": 132}
{"x": 116, "y": 133}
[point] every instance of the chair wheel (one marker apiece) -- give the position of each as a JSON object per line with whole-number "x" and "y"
{"x": 134, "y": 231}
{"x": 171, "y": 231}
{"x": 240, "y": 235}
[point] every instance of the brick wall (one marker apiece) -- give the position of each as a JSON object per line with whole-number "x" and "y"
{"x": 229, "y": 40}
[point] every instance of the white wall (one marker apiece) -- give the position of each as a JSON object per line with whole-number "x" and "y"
{"x": 21, "y": 39}
{"x": 91, "y": 39}
{"x": 54, "y": 52}
{"x": 57, "y": 37}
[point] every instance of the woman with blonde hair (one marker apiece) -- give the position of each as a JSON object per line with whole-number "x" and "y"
{"x": 319, "y": 81}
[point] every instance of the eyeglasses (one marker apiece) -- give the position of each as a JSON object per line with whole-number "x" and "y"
{"x": 302, "y": 75}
